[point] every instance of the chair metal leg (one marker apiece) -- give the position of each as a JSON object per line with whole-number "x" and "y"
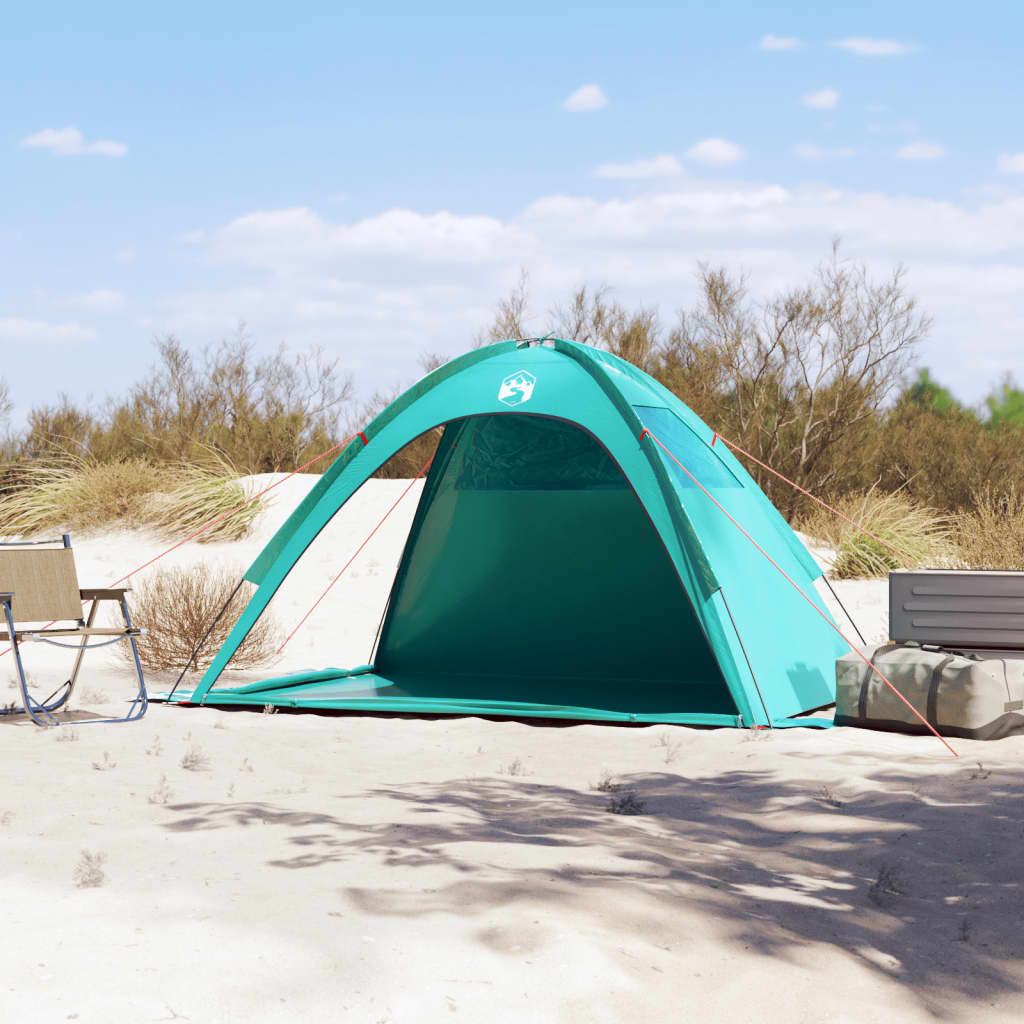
{"x": 32, "y": 707}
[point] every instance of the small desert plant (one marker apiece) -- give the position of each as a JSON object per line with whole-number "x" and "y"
{"x": 176, "y": 607}
{"x": 605, "y": 784}
{"x": 888, "y": 883}
{"x": 246, "y": 766}
{"x": 626, "y": 802}
{"x": 670, "y": 746}
{"x": 829, "y": 797}
{"x": 106, "y": 764}
{"x": 981, "y": 772}
{"x": 91, "y": 696}
{"x": 514, "y": 767}
{"x": 69, "y": 734}
{"x": 194, "y": 759}
{"x": 67, "y": 491}
{"x": 912, "y": 534}
{"x": 88, "y": 872}
{"x": 270, "y": 709}
{"x": 163, "y": 794}
{"x": 991, "y": 536}
{"x": 155, "y": 748}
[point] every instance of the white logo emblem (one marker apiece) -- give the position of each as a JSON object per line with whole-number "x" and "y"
{"x": 517, "y": 388}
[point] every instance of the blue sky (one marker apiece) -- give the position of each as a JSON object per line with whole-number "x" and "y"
{"x": 370, "y": 179}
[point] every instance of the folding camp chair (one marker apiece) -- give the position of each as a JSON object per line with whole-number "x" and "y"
{"x": 40, "y": 584}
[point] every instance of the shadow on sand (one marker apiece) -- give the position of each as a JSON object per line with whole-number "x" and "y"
{"x": 917, "y": 878}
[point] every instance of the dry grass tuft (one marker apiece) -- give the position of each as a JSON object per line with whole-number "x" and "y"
{"x": 922, "y": 536}
{"x": 68, "y": 492}
{"x": 992, "y": 535}
{"x": 88, "y": 872}
{"x": 176, "y": 608}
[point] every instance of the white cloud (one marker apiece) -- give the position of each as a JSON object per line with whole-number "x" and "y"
{"x": 920, "y": 150}
{"x": 867, "y": 46}
{"x": 99, "y": 300}
{"x": 716, "y": 152}
{"x": 811, "y": 151}
{"x": 1011, "y": 163}
{"x": 656, "y": 167}
{"x": 586, "y": 97}
{"x": 69, "y": 141}
{"x": 193, "y": 237}
{"x": 21, "y": 331}
{"x": 823, "y": 99}
{"x": 377, "y": 291}
{"x": 770, "y": 42}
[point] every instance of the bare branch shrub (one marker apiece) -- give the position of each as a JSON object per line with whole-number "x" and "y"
{"x": 799, "y": 379}
{"x": 510, "y": 315}
{"x": 177, "y": 606}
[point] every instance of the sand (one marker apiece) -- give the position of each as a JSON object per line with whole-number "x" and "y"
{"x": 389, "y": 869}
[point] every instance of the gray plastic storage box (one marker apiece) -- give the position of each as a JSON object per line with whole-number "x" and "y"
{"x": 979, "y": 610}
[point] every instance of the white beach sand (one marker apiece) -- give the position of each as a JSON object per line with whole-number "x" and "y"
{"x": 386, "y": 869}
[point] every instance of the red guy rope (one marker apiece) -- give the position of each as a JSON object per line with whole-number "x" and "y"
{"x": 355, "y": 555}
{"x": 793, "y": 483}
{"x": 225, "y": 515}
{"x": 796, "y": 587}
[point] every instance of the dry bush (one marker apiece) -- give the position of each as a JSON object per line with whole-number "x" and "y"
{"x": 264, "y": 414}
{"x": 75, "y": 493}
{"x": 176, "y": 608}
{"x": 920, "y": 535}
{"x": 946, "y": 460}
{"x": 992, "y": 535}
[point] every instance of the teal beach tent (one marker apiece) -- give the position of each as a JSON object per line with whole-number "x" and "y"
{"x": 560, "y": 564}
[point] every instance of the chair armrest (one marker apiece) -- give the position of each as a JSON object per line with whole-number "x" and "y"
{"x": 103, "y": 593}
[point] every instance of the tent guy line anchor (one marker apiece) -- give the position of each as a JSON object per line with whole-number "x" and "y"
{"x": 799, "y": 590}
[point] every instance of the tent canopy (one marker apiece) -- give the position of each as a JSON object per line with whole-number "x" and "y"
{"x": 560, "y": 564}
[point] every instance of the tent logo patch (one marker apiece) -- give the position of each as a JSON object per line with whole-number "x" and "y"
{"x": 517, "y": 388}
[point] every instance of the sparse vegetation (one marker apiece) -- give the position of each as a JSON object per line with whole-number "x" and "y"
{"x": 888, "y": 884}
{"x": 270, "y": 709}
{"x": 626, "y": 802}
{"x": 176, "y": 607}
{"x": 88, "y": 872}
{"x": 195, "y": 759}
{"x": 514, "y": 767}
{"x": 163, "y": 794}
{"x": 155, "y": 748}
{"x": 106, "y": 764}
{"x": 829, "y": 797}
{"x": 605, "y": 783}
{"x": 670, "y": 747}
{"x": 92, "y": 696}
{"x": 67, "y": 734}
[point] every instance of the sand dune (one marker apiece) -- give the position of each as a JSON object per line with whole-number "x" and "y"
{"x": 385, "y": 869}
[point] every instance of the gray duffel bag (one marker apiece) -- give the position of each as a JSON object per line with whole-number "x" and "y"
{"x": 958, "y": 693}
